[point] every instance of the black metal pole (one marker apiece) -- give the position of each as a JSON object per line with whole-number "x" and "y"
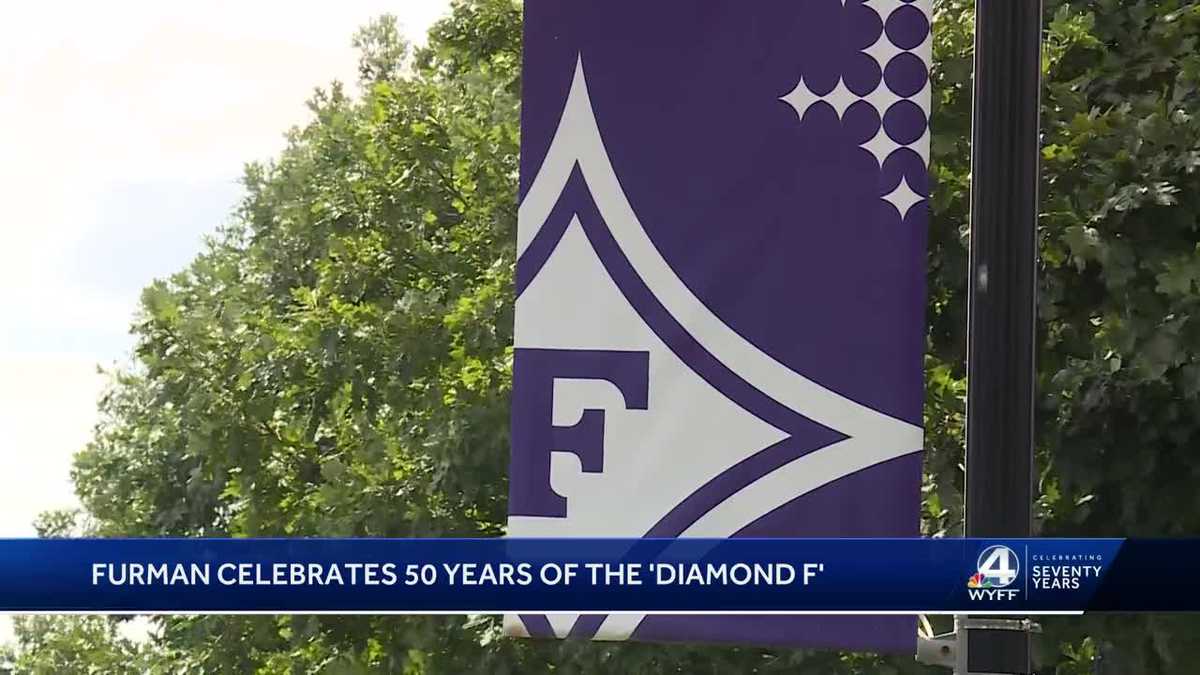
{"x": 1002, "y": 295}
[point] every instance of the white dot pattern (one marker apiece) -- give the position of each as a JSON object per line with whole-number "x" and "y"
{"x": 882, "y": 98}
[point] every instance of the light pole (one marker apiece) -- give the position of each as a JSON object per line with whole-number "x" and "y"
{"x": 1002, "y": 299}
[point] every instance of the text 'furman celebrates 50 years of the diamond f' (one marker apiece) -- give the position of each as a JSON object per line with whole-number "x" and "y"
{"x": 453, "y": 574}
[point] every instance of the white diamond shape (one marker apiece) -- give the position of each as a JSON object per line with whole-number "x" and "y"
{"x": 924, "y": 98}
{"x": 921, "y": 146}
{"x": 881, "y": 146}
{"x": 903, "y": 197}
{"x": 801, "y": 98}
{"x": 883, "y": 51}
{"x": 840, "y": 98}
{"x": 883, "y": 8}
{"x": 881, "y": 98}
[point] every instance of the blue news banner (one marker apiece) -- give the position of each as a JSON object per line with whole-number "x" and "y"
{"x": 598, "y": 575}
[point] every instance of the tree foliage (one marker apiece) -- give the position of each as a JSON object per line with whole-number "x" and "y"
{"x": 1118, "y": 336}
{"x": 91, "y": 645}
{"x": 337, "y": 360}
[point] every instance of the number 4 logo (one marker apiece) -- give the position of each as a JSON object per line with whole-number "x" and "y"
{"x": 999, "y": 565}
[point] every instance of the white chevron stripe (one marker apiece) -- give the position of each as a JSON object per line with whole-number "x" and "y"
{"x": 578, "y": 139}
{"x": 873, "y": 436}
{"x": 777, "y": 488}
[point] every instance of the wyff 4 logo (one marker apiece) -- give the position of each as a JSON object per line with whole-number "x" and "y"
{"x": 996, "y": 569}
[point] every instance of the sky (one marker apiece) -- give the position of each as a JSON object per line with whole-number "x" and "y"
{"x": 124, "y": 126}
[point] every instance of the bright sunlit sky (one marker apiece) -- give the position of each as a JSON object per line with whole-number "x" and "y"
{"x": 123, "y": 129}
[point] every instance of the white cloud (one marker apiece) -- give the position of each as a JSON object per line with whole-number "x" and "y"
{"x": 102, "y": 95}
{"x": 124, "y": 125}
{"x": 47, "y": 410}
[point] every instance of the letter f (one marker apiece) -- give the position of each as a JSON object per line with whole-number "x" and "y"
{"x": 534, "y": 435}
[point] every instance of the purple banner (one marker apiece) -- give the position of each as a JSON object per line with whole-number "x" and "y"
{"x": 719, "y": 327}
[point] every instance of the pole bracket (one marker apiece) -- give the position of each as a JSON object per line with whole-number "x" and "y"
{"x": 996, "y": 623}
{"x": 949, "y": 650}
{"x": 938, "y": 650}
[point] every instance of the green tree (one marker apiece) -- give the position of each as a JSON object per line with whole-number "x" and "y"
{"x": 336, "y": 361}
{"x": 1120, "y": 357}
{"x": 52, "y": 645}
{"x": 1119, "y": 411}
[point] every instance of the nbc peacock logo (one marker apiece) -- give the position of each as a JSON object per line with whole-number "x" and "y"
{"x": 977, "y": 580}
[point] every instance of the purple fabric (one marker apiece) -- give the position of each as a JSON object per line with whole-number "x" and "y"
{"x": 688, "y": 101}
{"x": 824, "y": 512}
{"x": 784, "y": 222}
